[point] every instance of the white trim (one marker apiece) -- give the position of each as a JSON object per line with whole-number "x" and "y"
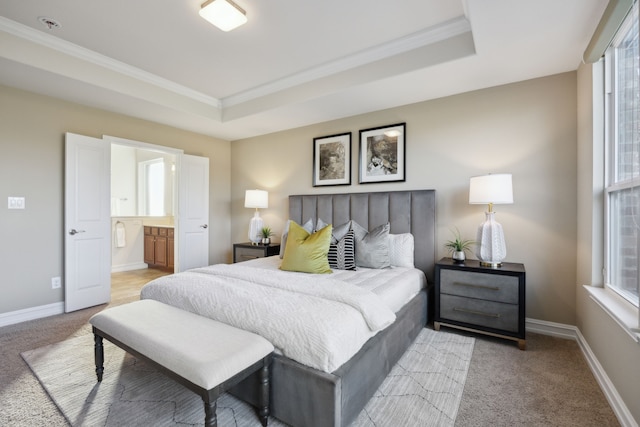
{"x": 431, "y": 35}
{"x": 129, "y": 267}
{"x": 553, "y": 329}
{"x": 31, "y": 313}
{"x": 620, "y": 310}
{"x": 142, "y": 145}
{"x": 41, "y": 38}
{"x": 608, "y": 388}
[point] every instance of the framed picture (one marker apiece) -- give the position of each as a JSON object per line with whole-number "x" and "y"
{"x": 382, "y": 154}
{"x": 332, "y": 160}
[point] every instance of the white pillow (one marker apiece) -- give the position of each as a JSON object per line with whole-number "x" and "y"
{"x": 401, "y": 250}
{"x": 308, "y": 226}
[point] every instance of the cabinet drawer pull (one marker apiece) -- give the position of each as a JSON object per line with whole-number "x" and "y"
{"x": 480, "y": 313}
{"x": 473, "y": 285}
{"x": 249, "y": 256}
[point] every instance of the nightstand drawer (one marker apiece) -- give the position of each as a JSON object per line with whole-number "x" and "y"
{"x": 490, "y": 287}
{"x": 488, "y": 314}
{"x": 245, "y": 254}
{"x": 248, "y": 251}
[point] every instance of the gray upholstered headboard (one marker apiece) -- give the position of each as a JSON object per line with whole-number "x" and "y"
{"x": 407, "y": 212}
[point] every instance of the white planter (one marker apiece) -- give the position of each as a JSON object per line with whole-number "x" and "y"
{"x": 458, "y": 256}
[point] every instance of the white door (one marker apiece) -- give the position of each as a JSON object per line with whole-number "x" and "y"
{"x": 193, "y": 213}
{"x": 87, "y": 259}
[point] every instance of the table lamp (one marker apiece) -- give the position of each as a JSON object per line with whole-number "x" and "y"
{"x": 491, "y": 189}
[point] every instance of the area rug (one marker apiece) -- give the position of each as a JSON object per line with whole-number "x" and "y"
{"x": 423, "y": 389}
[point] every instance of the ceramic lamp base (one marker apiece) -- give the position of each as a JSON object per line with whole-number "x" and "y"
{"x": 491, "y": 248}
{"x": 255, "y": 227}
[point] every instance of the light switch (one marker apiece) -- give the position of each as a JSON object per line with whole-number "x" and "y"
{"x": 16, "y": 203}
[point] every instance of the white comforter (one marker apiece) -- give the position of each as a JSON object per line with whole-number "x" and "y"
{"x": 316, "y": 320}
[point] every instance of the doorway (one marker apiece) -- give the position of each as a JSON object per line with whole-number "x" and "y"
{"x": 89, "y": 234}
{"x": 143, "y": 182}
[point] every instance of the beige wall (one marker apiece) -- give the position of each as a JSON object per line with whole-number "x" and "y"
{"x": 32, "y": 129}
{"x": 527, "y": 129}
{"x": 614, "y": 349}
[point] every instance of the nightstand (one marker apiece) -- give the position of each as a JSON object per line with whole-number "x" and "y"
{"x": 481, "y": 299}
{"x": 247, "y": 251}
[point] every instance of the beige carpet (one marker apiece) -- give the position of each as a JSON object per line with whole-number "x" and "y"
{"x": 423, "y": 389}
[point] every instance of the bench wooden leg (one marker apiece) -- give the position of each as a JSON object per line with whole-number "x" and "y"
{"x": 210, "y": 417}
{"x": 98, "y": 351}
{"x": 263, "y": 410}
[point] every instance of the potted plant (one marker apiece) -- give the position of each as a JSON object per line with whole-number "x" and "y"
{"x": 458, "y": 246}
{"x": 266, "y": 235}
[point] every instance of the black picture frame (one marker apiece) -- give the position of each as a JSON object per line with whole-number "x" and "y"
{"x": 382, "y": 154}
{"x": 332, "y": 160}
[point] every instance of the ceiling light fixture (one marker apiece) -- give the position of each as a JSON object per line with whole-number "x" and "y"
{"x": 224, "y": 14}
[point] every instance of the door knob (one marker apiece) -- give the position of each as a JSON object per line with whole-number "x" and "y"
{"x": 74, "y": 231}
{"x": 204, "y": 226}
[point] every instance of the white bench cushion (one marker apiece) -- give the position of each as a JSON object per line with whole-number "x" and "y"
{"x": 199, "y": 349}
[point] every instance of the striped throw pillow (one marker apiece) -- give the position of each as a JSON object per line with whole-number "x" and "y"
{"x": 342, "y": 253}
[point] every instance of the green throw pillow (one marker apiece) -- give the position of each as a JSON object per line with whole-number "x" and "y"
{"x": 307, "y": 253}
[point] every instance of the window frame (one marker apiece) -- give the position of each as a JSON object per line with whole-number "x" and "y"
{"x": 612, "y": 185}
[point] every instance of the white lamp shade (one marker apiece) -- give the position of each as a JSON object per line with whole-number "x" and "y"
{"x": 492, "y": 188}
{"x": 224, "y": 14}
{"x": 258, "y": 199}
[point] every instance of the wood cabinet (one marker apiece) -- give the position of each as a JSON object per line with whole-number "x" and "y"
{"x": 170, "y": 248}
{"x": 247, "y": 251}
{"x": 481, "y": 299}
{"x": 159, "y": 246}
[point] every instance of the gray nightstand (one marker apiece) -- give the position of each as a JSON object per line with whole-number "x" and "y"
{"x": 247, "y": 251}
{"x": 481, "y": 299}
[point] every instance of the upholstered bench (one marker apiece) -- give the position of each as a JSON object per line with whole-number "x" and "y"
{"x": 206, "y": 356}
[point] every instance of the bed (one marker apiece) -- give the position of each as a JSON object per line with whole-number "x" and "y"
{"x": 315, "y": 394}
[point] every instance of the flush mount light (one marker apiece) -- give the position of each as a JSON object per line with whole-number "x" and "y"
{"x": 224, "y": 14}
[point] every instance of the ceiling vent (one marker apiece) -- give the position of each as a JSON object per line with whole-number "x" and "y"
{"x": 51, "y": 24}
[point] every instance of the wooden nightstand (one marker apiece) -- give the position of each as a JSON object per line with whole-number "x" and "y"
{"x": 247, "y": 251}
{"x": 481, "y": 299}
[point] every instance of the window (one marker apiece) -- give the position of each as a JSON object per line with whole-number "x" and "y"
{"x": 622, "y": 111}
{"x": 151, "y": 178}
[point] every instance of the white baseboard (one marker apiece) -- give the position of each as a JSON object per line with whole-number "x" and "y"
{"x": 572, "y": 332}
{"x": 553, "y": 329}
{"x": 32, "y": 313}
{"x": 129, "y": 267}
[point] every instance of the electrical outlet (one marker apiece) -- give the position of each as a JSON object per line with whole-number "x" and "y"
{"x": 55, "y": 282}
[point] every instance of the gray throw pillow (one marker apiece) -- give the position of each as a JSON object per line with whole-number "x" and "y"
{"x": 372, "y": 247}
{"x": 338, "y": 232}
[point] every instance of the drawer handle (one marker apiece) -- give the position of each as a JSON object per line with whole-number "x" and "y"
{"x": 249, "y": 256}
{"x": 473, "y": 285}
{"x": 480, "y": 313}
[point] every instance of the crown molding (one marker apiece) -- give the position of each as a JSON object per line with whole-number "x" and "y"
{"x": 431, "y": 35}
{"x": 252, "y": 100}
{"x": 55, "y": 43}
